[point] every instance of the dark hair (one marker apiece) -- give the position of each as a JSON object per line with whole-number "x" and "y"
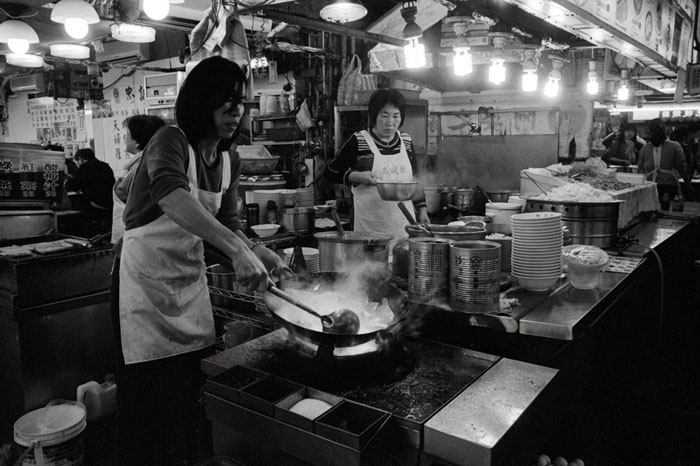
{"x": 625, "y": 126}
{"x": 84, "y": 154}
{"x": 210, "y": 84}
{"x": 143, "y": 127}
{"x": 380, "y": 98}
{"x": 657, "y": 132}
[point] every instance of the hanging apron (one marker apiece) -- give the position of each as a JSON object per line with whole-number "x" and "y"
{"x": 119, "y": 206}
{"x": 372, "y": 213}
{"x": 164, "y": 306}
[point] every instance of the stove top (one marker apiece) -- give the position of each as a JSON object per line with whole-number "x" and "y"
{"x": 412, "y": 382}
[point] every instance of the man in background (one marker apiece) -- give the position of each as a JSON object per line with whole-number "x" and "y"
{"x": 95, "y": 180}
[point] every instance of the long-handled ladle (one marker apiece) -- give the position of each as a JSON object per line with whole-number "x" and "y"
{"x": 342, "y": 321}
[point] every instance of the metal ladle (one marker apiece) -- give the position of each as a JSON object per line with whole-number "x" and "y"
{"x": 342, "y": 321}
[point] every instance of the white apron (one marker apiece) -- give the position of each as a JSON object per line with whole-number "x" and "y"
{"x": 372, "y": 213}
{"x": 119, "y": 206}
{"x": 164, "y": 305}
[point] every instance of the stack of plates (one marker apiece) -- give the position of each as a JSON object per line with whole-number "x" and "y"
{"x": 305, "y": 197}
{"x": 536, "y": 253}
{"x": 261, "y": 196}
{"x": 311, "y": 258}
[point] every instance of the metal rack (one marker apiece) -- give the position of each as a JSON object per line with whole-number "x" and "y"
{"x": 259, "y": 321}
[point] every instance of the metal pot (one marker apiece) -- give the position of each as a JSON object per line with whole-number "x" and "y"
{"x": 339, "y": 252}
{"x": 453, "y": 232}
{"x": 297, "y": 219}
{"x": 377, "y": 289}
{"x": 593, "y": 223}
{"x": 501, "y": 195}
{"x": 464, "y": 198}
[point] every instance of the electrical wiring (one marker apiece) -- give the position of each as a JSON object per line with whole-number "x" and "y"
{"x": 33, "y": 12}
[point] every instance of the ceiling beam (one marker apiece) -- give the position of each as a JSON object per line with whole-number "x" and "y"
{"x": 332, "y": 28}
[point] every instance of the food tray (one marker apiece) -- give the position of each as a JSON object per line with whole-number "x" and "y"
{"x": 228, "y": 384}
{"x": 351, "y": 424}
{"x": 261, "y": 396}
{"x": 283, "y": 413}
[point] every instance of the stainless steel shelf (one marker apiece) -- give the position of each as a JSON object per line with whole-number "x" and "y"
{"x": 233, "y": 295}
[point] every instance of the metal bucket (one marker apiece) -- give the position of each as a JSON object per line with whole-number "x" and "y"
{"x": 297, "y": 219}
{"x": 464, "y": 198}
{"x": 428, "y": 271}
{"x": 339, "y": 253}
{"x": 593, "y": 223}
{"x": 475, "y": 271}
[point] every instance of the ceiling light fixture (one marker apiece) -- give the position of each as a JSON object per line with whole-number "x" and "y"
{"x": 156, "y": 9}
{"x": 71, "y": 51}
{"x": 462, "y": 59}
{"x": 551, "y": 87}
{"x": 592, "y": 87}
{"x": 127, "y": 32}
{"x": 75, "y": 15}
{"x": 24, "y": 60}
{"x": 414, "y": 51}
{"x": 17, "y": 35}
{"x": 623, "y": 92}
{"x": 497, "y": 70}
{"x": 529, "y": 78}
{"x": 343, "y": 11}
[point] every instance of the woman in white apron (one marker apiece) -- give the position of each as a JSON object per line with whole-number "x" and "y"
{"x": 663, "y": 161}
{"x": 381, "y": 153}
{"x": 184, "y": 192}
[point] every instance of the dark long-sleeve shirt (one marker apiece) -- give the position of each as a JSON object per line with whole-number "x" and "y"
{"x": 95, "y": 179}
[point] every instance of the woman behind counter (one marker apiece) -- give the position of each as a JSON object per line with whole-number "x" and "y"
{"x": 184, "y": 192}
{"x": 625, "y": 148}
{"x": 382, "y": 153}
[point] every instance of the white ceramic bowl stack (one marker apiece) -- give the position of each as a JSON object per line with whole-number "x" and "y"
{"x": 305, "y": 197}
{"x": 536, "y": 254}
{"x": 311, "y": 258}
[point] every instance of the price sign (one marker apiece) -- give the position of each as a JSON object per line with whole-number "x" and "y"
{"x": 46, "y": 185}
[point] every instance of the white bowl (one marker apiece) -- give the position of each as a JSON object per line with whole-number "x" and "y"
{"x": 537, "y": 284}
{"x": 265, "y": 229}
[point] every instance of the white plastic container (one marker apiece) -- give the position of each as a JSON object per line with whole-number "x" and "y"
{"x": 100, "y": 399}
{"x": 502, "y": 211}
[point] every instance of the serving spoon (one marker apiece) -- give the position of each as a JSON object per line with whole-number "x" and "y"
{"x": 342, "y": 321}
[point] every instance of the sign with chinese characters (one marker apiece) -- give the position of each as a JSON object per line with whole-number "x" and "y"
{"x": 24, "y": 186}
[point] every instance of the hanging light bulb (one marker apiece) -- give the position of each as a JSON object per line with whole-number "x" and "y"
{"x": 414, "y": 51}
{"x": 497, "y": 70}
{"x": 462, "y": 59}
{"x": 551, "y": 87}
{"x": 156, "y": 9}
{"x": 592, "y": 87}
{"x": 529, "y": 78}
{"x": 17, "y": 35}
{"x": 623, "y": 92}
{"x": 75, "y": 16}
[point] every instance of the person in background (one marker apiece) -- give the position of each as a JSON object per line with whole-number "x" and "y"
{"x": 184, "y": 192}
{"x": 380, "y": 153}
{"x": 663, "y": 161}
{"x": 625, "y": 148}
{"x": 94, "y": 179}
{"x": 139, "y": 130}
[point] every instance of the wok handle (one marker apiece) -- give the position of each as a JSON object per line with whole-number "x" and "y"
{"x": 282, "y": 295}
{"x": 407, "y": 213}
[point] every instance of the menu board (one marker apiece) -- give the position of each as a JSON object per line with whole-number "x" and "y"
{"x": 27, "y": 186}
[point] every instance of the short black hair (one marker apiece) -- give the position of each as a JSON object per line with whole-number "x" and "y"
{"x": 211, "y": 83}
{"x": 380, "y": 98}
{"x": 143, "y": 127}
{"x": 84, "y": 154}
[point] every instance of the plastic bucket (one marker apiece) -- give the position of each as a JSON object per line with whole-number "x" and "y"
{"x": 54, "y": 434}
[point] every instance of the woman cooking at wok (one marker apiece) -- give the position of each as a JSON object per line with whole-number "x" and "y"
{"x": 382, "y": 153}
{"x": 184, "y": 192}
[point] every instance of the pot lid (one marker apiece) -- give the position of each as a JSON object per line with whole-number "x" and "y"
{"x": 366, "y": 237}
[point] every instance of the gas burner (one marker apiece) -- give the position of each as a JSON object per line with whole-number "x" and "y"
{"x": 328, "y": 369}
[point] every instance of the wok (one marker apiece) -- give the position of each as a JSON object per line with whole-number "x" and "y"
{"x": 376, "y": 290}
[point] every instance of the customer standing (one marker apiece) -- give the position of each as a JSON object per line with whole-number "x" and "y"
{"x": 94, "y": 178}
{"x": 625, "y": 148}
{"x": 139, "y": 130}
{"x": 663, "y": 161}
{"x": 184, "y": 192}
{"x": 380, "y": 153}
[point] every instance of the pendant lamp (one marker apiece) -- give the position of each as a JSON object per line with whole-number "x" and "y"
{"x": 127, "y": 32}
{"x": 71, "y": 51}
{"x": 414, "y": 51}
{"x": 529, "y": 77}
{"x": 75, "y": 15}
{"x": 24, "y": 60}
{"x": 343, "y": 11}
{"x": 17, "y": 35}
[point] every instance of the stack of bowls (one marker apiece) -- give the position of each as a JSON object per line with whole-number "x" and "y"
{"x": 536, "y": 252}
{"x": 311, "y": 258}
{"x": 305, "y": 197}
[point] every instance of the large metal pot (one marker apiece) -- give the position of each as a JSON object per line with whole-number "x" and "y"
{"x": 298, "y": 219}
{"x": 593, "y": 223}
{"x": 339, "y": 253}
{"x": 453, "y": 232}
{"x": 377, "y": 289}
